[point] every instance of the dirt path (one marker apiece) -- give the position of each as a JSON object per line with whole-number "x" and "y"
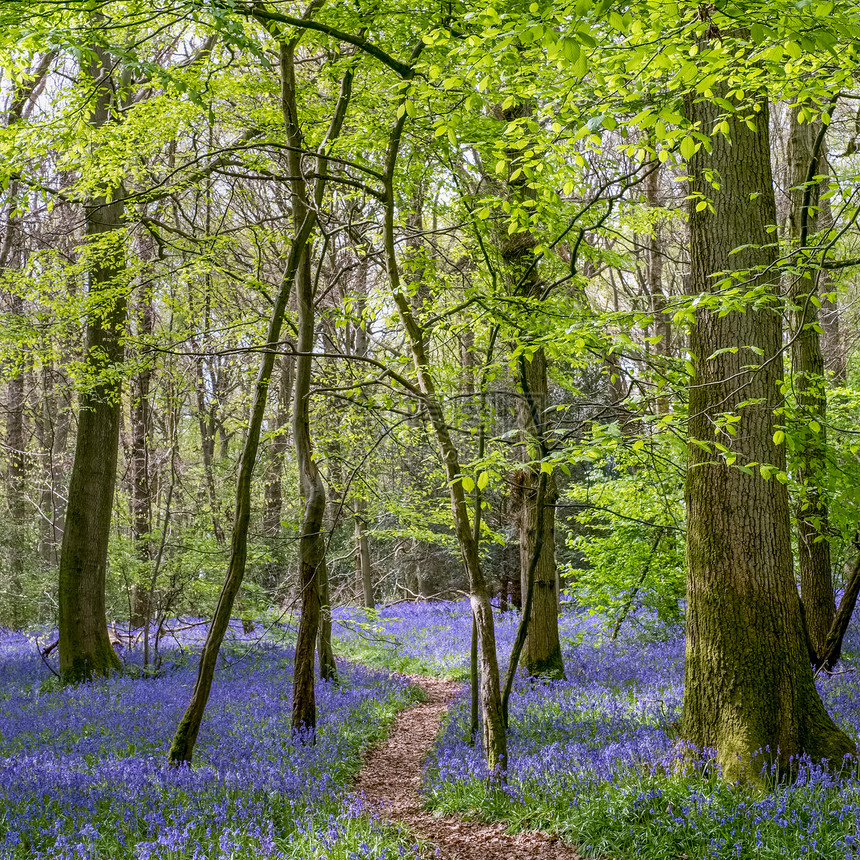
{"x": 391, "y": 781}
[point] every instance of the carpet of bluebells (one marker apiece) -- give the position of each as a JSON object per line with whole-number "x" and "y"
{"x": 595, "y": 757}
{"x": 83, "y": 770}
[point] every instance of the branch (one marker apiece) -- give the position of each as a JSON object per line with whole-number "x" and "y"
{"x": 405, "y": 70}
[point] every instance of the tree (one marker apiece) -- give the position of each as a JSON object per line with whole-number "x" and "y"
{"x": 748, "y": 690}
{"x": 85, "y": 647}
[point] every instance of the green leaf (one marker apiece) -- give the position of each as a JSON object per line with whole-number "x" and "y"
{"x": 483, "y": 480}
{"x": 687, "y": 148}
{"x": 468, "y": 483}
{"x": 778, "y": 437}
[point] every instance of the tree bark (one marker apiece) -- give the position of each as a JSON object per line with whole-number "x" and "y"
{"x": 85, "y": 647}
{"x": 141, "y": 496}
{"x": 749, "y": 691}
{"x": 542, "y": 651}
{"x": 807, "y": 361}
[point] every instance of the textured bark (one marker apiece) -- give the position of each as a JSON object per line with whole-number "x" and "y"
{"x": 807, "y": 361}
{"x": 141, "y": 496}
{"x": 85, "y": 647}
{"x": 542, "y": 651}
{"x": 749, "y": 690}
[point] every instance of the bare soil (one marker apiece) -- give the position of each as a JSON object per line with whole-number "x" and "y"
{"x": 391, "y": 781}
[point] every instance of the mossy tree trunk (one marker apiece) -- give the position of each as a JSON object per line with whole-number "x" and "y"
{"x": 748, "y": 682}
{"x": 541, "y": 653}
{"x": 542, "y": 650}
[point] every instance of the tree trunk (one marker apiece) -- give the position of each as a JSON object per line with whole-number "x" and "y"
{"x": 85, "y": 647}
{"x": 748, "y": 682}
{"x": 278, "y": 446}
{"x": 16, "y": 471}
{"x": 362, "y": 556}
{"x": 207, "y": 448}
{"x": 807, "y": 361}
{"x": 141, "y": 495}
{"x": 182, "y": 747}
{"x": 542, "y": 651}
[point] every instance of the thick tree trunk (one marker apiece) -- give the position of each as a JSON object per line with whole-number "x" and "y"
{"x": 85, "y": 647}
{"x": 807, "y": 361}
{"x": 542, "y": 651}
{"x": 748, "y": 682}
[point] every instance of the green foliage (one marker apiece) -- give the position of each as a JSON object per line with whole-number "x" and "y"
{"x": 629, "y": 539}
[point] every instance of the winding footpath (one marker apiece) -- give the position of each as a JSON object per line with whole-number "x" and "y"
{"x": 391, "y": 782}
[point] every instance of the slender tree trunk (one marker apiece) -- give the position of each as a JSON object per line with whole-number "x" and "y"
{"x": 835, "y": 636}
{"x": 182, "y": 747}
{"x": 16, "y": 472}
{"x": 807, "y": 361}
{"x": 207, "y": 449}
{"x": 362, "y": 555}
{"x": 748, "y": 682}
{"x": 52, "y": 427}
{"x": 139, "y": 478}
{"x": 278, "y": 446}
{"x": 312, "y": 542}
{"x": 493, "y": 729}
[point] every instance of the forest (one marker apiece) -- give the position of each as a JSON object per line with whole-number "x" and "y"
{"x": 429, "y": 430}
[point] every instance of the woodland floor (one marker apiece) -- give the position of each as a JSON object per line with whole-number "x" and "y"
{"x": 391, "y": 781}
